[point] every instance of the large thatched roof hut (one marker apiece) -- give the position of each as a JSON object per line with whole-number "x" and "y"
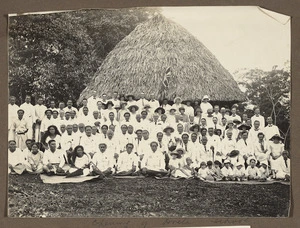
{"x": 161, "y": 57}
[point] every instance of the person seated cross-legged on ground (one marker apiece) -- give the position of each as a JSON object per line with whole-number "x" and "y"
{"x": 252, "y": 172}
{"x": 227, "y": 171}
{"x": 16, "y": 159}
{"x": 54, "y": 160}
{"x": 189, "y": 168}
{"x": 35, "y": 160}
{"x": 283, "y": 170}
{"x": 128, "y": 162}
{"x": 211, "y": 172}
{"x": 80, "y": 162}
{"x": 239, "y": 172}
{"x": 103, "y": 162}
{"x": 153, "y": 163}
{"x": 176, "y": 165}
{"x": 264, "y": 172}
{"x": 203, "y": 172}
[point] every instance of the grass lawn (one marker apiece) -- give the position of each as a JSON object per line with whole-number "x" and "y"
{"x": 29, "y": 197}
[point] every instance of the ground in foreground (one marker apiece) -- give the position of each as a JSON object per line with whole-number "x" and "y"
{"x": 29, "y": 197}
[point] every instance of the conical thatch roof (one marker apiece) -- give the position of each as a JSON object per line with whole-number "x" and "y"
{"x": 139, "y": 63}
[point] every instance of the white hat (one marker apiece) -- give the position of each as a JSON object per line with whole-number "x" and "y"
{"x": 226, "y": 161}
{"x": 205, "y": 97}
{"x": 177, "y": 98}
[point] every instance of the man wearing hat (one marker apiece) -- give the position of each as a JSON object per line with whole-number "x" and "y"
{"x": 276, "y": 147}
{"x": 153, "y": 163}
{"x": 142, "y": 101}
{"x": 270, "y": 129}
{"x": 19, "y": 129}
{"x": 169, "y": 136}
{"x": 205, "y": 105}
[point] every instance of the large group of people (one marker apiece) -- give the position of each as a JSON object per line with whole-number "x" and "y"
{"x": 128, "y": 136}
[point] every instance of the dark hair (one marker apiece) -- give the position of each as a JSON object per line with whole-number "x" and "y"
{"x": 47, "y": 133}
{"x": 74, "y": 154}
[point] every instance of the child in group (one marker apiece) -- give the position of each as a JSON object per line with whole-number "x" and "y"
{"x": 264, "y": 171}
{"x": 252, "y": 172}
{"x": 35, "y": 160}
{"x": 203, "y": 171}
{"x": 79, "y": 163}
{"x": 175, "y": 164}
{"x": 188, "y": 168}
{"x": 239, "y": 172}
{"x": 227, "y": 171}
{"x": 210, "y": 171}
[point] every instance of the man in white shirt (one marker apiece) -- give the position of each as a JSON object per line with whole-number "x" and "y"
{"x": 12, "y": 111}
{"x": 153, "y": 163}
{"x": 234, "y": 115}
{"x": 84, "y": 104}
{"x": 142, "y": 101}
{"x": 213, "y": 141}
{"x": 104, "y": 98}
{"x": 115, "y": 100}
{"x": 284, "y": 167}
{"x": 40, "y": 110}
{"x": 189, "y": 110}
{"x": 88, "y": 142}
{"x": 154, "y": 104}
{"x": 112, "y": 143}
{"x": 228, "y": 144}
{"x": 68, "y": 142}
{"x": 54, "y": 160}
{"x": 165, "y": 105}
{"x": 253, "y": 132}
{"x": 52, "y": 106}
{"x": 258, "y": 117}
{"x": 217, "y": 113}
{"x": 270, "y": 129}
{"x": 70, "y": 107}
{"x": 205, "y": 105}
{"x": 103, "y": 161}
{"x": 29, "y": 115}
{"x": 245, "y": 147}
{"x": 47, "y": 121}
{"x": 92, "y": 101}
{"x": 16, "y": 158}
{"x": 19, "y": 129}
{"x": 128, "y": 162}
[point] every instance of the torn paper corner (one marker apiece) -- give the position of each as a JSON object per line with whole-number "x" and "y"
{"x": 280, "y": 18}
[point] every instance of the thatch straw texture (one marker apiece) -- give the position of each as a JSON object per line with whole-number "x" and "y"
{"x": 139, "y": 63}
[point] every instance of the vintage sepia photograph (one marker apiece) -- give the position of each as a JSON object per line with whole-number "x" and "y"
{"x": 149, "y": 112}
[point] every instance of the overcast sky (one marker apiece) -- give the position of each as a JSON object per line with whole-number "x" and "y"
{"x": 238, "y": 36}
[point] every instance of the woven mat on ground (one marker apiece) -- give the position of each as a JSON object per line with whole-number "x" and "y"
{"x": 62, "y": 179}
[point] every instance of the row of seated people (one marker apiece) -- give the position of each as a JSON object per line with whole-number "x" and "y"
{"x": 176, "y": 162}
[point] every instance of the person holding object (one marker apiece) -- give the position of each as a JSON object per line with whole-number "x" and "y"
{"x": 19, "y": 129}
{"x": 54, "y": 160}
